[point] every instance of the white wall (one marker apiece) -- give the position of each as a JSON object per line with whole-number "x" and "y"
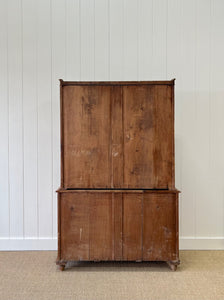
{"x": 44, "y": 40}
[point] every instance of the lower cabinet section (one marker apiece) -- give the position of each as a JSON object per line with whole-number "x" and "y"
{"x": 132, "y": 225}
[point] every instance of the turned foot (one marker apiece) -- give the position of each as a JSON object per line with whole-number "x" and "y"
{"x": 62, "y": 267}
{"x": 173, "y": 265}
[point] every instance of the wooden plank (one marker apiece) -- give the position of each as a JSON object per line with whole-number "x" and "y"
{"x": 100, "y": 231}
{"x": 116, "y": 137}
{"x": 74, "y": 226}
{"x": 87, "y": 137}
{"x": 160, "y": 227}
{"x": 163, "y": 138}
{"x": 148, "y": 125}
{"x": 117, "y": 215}
{"x": 137, "y": 135}
{"x": 132, "y": 226}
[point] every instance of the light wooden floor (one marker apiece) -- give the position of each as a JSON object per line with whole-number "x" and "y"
{"x": 34, "y": 275}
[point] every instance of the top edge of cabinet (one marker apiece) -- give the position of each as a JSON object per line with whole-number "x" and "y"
{"x": 119, "y": 83}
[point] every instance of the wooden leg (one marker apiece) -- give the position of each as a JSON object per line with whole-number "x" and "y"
{"x": 62, "y": 267}
{"x": 173, "y": 265}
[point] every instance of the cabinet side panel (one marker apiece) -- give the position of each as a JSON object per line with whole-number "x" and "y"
{"x": 159, "y": 227}
{"x": 132, "y": 226}
{"x": 74, "y": 226}
{"x": 87, "y": 136}
{"x": 101, "y": 233}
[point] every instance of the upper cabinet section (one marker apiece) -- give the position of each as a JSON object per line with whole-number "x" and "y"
{"x": 117, "y": 135}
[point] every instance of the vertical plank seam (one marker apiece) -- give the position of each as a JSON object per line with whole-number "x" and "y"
{"x": 181, "y": 123}
{"x": 177, "y": 225}
{"x": 94, "y": 39}
{"x": 142, "y": 225}
{"x": 122, "y": 226}
{"x": 37, "y": 108}
{"x": 22, "y": 88}
{"x": 80, "y": 47}
{"x": 137, "y": 39}
{"x": 66, "y": 46}
{"x": 123, "y": 14}
{"x": 152, "y": 33}
{"x": 89, "y": 218}
{"x": 51, "y": 41}
{"x": 108, "y": 12}
{"x": 113, "y": 222}
{"x": 166, "y": 36}
{"x": 123, "y": 165}
{"x": 7, "y": 48}
{"x": 111, "y": 173}
{"x": 195, "y": 113}
{"x": 210, "y": 80}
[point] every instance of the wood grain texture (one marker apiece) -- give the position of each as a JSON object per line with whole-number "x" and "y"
{"x": 160, "y": 240}
{"x": 130, "y": 128}
{"x": 89, "y": 226}
{"x": 148, "y": 137}
{"x": 74, "y": 220}
{"x": 87, "y": 137}
{"x": 132, "y": 226}
{"x": 118, "y": 230}
{"x": 138, "y": 122}
{"x": 100, "y": 227}
{"x": 117, "y": 154}
{"x": 163, "y": 138}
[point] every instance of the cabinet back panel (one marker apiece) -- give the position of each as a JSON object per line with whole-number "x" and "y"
{"x": 129, "y": 225}
{"x": 86, "y": 137}
{"x": 160, "y": 227}
{"x": 117, "y": 136}
{"x": 148, "y": 137}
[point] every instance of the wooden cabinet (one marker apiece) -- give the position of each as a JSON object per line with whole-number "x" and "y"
{"x": 117, "y": 199}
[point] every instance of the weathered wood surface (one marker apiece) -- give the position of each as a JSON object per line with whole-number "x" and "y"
{"x": 132, "y": 226}
{"x": 117, "y": 136}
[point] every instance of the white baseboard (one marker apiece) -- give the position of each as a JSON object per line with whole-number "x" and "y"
{"x": 32, "y": 244}
{"x": 201, "y": 243}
